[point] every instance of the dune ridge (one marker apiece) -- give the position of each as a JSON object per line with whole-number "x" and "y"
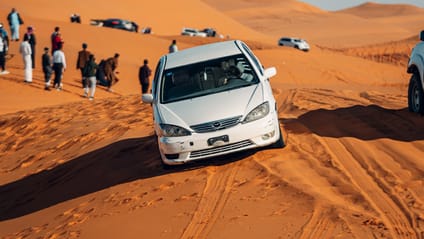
{"x": 376, "y": 10}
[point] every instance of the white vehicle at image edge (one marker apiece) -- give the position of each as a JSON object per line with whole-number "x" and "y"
{"x": 416, "y": 83}
{"x": 294, "y": 42}
{"x": 212, "y": 100}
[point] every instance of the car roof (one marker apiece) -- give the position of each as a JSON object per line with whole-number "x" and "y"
{"x": 202, "y": 53}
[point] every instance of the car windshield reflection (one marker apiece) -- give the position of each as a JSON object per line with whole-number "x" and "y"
{"x": 206, "y": 78}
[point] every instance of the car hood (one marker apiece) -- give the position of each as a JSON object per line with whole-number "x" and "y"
{"x": 227, "y": 104}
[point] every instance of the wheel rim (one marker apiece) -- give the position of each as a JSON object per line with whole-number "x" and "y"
{"x": 416, "y": 98}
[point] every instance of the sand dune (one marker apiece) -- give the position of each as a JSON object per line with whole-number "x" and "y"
{"x": 352, "y": 167}
{"x": 329, "y": 29}
{"x": 376, "y": 10}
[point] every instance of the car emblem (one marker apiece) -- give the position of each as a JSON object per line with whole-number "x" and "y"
{"x": 216, "y": 124}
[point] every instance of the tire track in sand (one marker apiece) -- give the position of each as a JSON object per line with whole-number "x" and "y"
{"x": 214, "y": 197}
{"x": 319, "y": 226}
{"x": 393, "y": 216}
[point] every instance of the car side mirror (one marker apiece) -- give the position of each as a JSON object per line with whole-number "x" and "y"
{"x": 147, "y": 98}
{"x": 422, "y": 36}
{"x": 270, "y": 72}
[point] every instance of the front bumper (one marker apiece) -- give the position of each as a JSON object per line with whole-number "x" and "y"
{"x": 259, "y": 133}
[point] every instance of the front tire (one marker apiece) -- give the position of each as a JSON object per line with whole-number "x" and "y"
{"x": 415, "y": 95}
{"x": 280, "y": 142}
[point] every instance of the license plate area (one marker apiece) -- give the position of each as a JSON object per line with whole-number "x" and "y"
{"x": 217, "y": 141}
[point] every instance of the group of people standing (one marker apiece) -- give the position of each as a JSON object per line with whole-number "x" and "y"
{"x": 93, "y": 73}
{"x": 54, "y": 61}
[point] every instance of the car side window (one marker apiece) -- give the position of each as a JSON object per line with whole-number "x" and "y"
{"x": 254, "y": 59}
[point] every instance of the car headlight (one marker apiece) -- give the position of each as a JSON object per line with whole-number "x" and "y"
{"x": 173, "y": 130}
{"x": 257, "y": 113}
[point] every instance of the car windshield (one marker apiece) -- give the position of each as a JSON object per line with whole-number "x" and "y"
{"x": 204, "y": 78}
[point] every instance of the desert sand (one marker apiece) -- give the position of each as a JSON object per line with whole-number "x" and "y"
{"x": 353, "y": 166}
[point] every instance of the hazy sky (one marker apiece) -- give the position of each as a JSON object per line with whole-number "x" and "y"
{"x": 340, "y": 4}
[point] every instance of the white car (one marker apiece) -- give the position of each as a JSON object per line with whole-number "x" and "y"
{"x": 294, "y": 42}
{"x": 193, "y": 32}
{"x": 212, "y": 100}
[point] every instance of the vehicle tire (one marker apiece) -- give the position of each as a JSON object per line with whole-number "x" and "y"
{"x": 296, "y": 47}
{"x": 415, "y": 95}
{"x": 280, "y": 142}
{"x": 166, "y": 166}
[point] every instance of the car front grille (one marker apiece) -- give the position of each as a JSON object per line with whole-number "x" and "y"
{"x": 221, "y": 149}
{"x": 216, "y": 125}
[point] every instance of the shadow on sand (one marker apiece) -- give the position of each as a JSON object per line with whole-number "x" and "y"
{"x": 361, "y": 122}
{"x": 117, "y": 163}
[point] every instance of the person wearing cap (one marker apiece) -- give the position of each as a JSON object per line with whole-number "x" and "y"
{"x": 82, "y": 60}
{"x": 25, "y": 50}
{"x": 31, "y": 40}
{"x": 46, "y": 62}
{"x": 15, "y": 21}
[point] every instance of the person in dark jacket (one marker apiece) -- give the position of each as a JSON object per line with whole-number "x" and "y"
{"x": 143, "y": 76}
{"x": 32, "y": 42}
{"x": 82, "y": 59}
{"x": 47, "y": 67}
{"x": 90, "y": 70}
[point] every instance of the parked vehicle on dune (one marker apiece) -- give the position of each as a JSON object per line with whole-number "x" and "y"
{"x": 115, "y": 23}
{"x": 212, "y": 100}
{"x": 210, "y": 32}
{"x": 294, "y": 42}
{"x": 416, "y": 83}
{"x": 193, "y": 32}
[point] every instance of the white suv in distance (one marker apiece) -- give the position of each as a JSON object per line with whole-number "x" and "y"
{"x": 193, "y": 32}
{"x": 294, "y": 42}
{"x": 212, "y": 100}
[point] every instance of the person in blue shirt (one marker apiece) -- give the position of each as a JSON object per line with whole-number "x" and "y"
{"x": 15, "y": 21}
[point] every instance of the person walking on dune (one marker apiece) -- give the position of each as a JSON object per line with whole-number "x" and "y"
{"x": 173, "y": 47}
{"x": 110, "y": 70}
{"x": 25, "y": 50}
{"x": 31, "y": 40}
{"x": 59, "y": 66}
{"x": 47, "y": 67}
{"x": 83, "y": 56}
{"x": 15, "y": 21}
{"x": 143, "y": 76}
{"x": 89, "y": 71}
